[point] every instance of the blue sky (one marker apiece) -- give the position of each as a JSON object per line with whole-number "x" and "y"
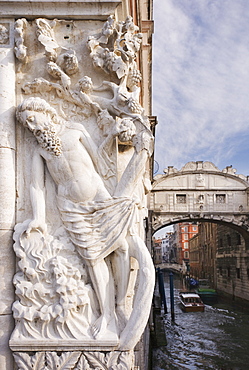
{"x": 201, "y": 82}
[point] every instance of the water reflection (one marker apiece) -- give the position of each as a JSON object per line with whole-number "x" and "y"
{"x": 215, "y": 339}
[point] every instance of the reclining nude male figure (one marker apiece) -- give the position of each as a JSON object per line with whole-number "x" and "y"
{"x": 70, "y": 155}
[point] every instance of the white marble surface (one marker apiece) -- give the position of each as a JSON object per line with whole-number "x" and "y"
{"x": 86, "y": 141}
{"x": 6, "y": 327}
{"x": 7, "y": 187}
{"x": 7, "y": 268}
{"x": 77, "y": 9}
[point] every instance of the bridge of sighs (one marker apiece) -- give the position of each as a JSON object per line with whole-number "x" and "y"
{"x": 201, "y": 192}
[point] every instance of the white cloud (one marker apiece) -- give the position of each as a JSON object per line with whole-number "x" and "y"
{"x": 200, "y": 80}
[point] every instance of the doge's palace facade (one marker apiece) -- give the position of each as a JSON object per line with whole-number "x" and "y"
{"x": 76, "y": 142}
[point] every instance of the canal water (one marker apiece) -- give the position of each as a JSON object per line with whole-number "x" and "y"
{"x": 217, "y": 338}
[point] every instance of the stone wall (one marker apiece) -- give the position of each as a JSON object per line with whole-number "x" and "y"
{"x": 219, "y": 253}
{"x": 232, "y": 264}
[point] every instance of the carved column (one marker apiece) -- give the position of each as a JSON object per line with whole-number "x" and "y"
{"x": 7, "y": 186}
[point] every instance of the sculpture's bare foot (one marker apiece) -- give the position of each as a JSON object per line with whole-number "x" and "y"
{"x": 99, "y": 327}
{"x": 123, "y": 317}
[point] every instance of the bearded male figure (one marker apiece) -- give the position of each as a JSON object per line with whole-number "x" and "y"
{"x": 99, "y": 224}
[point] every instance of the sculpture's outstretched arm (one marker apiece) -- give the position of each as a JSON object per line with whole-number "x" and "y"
{"x": 37, "y": 194}
{"x": 106, "y": 85}
{"x": 114, "y": 131}
{"x": 143, "y": 143}
{"x": 89, "y": 144}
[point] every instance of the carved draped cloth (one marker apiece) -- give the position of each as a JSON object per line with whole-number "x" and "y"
{"x": 97, "y": 227}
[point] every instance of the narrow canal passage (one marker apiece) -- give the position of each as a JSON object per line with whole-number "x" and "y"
{"x": 215, "y": 339}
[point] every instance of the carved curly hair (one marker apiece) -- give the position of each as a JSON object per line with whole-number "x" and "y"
{"x": 35, "y": 104}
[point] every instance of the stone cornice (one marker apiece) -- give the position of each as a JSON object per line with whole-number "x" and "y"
{"x": 204, "y": 168}
{"x": 75, "y": 9}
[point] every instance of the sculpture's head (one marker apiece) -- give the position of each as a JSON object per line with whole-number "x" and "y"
{"x": 105, "y": 121}
{"x": 129, "y": 130}
{"x": 86, "y": 84}
{"x": 41, "y": 119}
{"x": 36, "y": 114}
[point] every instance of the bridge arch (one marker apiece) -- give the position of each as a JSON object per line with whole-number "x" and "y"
{"x": 200, "y": 192}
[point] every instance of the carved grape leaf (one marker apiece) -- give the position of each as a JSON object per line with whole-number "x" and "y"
{"x": 83, "y": 364}
{"x": 120, "y": 68}
{"x": 26, "y": 362}
{"x": 66, "y": 361}
{"x": 112, "y": 359}
{"x": 45, "y": 35}
{"x": 121, "y": 361}
{"x": 126, "y": 361}
{"x": 96, "y": 359}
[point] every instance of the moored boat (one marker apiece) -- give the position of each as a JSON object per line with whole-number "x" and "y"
{"x": 207, "y": 294}
{"x": 191, "y": 302}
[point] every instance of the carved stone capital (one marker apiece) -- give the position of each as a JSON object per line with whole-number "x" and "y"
{"x": 75, "y": 360}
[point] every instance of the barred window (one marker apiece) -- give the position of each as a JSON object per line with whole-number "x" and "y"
{"x": 220, "y": 198}
{"x": 181, "y": 198}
